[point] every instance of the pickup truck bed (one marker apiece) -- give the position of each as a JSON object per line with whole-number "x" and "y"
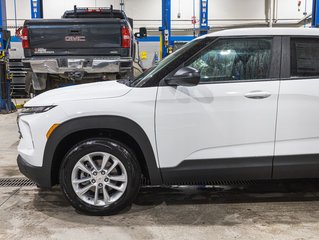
{"x": 74, "y": 37}
{"x": 86, "y": 45}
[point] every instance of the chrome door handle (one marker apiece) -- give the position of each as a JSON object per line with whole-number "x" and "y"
{"x": 257, "y": 95}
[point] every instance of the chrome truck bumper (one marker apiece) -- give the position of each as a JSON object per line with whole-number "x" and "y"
{"x": 89, "y": 65}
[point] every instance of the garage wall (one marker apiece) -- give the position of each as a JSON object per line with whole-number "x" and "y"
{"x": 23, "y": 12}
{"x": 148, "y": 12}
{"x": 222, "y": 12}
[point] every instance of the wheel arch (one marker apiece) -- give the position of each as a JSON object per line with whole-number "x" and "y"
{"x": 115, "y": 127}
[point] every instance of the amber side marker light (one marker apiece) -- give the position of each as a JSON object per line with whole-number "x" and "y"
{"x": 51, "y": 130}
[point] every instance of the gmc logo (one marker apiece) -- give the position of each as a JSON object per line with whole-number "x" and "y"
{"x": 75, "y": 39}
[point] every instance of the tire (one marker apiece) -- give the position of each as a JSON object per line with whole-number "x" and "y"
{"x": 116, "y": 187}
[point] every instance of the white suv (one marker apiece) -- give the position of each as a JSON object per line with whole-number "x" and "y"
{"x": 232, "y": 105}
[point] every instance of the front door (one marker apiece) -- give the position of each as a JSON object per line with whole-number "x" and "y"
{"x": 223, "y": 128}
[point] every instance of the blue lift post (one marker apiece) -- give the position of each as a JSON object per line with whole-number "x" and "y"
{"x": 166, "y": 41}
{"x": 315, "y": 14}
{"x": 36, "y": 8}
{"x": 166, "y": 38}
{"x": 6, "y": 104}
{"x": 203, "y": 20}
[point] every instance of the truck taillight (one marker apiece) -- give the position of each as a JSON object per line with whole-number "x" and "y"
{"x": 126, "y": 37}
{"x": 25, "y": 37}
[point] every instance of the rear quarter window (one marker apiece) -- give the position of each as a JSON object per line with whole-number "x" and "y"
{"x": 304, "y": 57}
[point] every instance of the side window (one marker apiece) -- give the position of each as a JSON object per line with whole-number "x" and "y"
{"x": 235, "y": 59}
{"x": 304, "y": 57}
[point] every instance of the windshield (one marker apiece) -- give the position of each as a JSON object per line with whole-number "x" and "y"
{"x": 163, "y": 63}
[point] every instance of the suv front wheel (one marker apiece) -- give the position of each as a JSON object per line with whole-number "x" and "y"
{"x": 100, "y": 176}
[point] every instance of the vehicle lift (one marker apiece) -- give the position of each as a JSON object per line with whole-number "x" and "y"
{"x": 166, "y": 40}
{"x": 6, "y": 104}
{"x": 315, "y": 14}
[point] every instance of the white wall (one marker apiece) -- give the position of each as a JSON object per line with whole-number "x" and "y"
{"x": 221, "y": 12}
{"x": 23, "y": 11}
{"x": 56, "y": 8}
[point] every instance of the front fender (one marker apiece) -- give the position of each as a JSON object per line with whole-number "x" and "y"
{"x": 103, "y": 122}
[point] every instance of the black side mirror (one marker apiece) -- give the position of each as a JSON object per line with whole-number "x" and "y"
{"x": 142, "y": 33}
{"x": 186, "y": 76}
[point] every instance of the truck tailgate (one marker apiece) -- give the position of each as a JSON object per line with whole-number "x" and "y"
{"x": 74, "y": 37}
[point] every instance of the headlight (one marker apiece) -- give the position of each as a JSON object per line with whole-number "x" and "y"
{"x": 31, "y": 110}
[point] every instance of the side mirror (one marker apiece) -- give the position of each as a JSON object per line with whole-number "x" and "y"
{"x": 142, "y": 33}
{"x": 186, "y": 76}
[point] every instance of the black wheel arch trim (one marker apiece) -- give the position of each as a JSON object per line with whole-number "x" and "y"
{"x": 101, "y": 122}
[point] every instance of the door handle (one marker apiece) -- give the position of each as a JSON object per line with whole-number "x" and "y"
{"x": 257, "y": 95}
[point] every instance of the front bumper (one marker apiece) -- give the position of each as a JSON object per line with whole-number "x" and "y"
{"x": 40, "y": 175}
{"x": 64, "y": 65}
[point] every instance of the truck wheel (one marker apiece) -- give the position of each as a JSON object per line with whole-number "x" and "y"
{"x": 100, "y": 177}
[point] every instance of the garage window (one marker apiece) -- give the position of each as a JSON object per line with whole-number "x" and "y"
{"x": 304, "y": 57}
{"x": 235, "y": 59}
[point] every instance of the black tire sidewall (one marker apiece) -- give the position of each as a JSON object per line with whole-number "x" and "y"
{"x": 119, "y": 150}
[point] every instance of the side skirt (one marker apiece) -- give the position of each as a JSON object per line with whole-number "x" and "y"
{"x": 296, "y": 166}
{"x": 208, "y": 171}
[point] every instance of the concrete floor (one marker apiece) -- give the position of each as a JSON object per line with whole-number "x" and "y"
{"x": 271, "y": 211}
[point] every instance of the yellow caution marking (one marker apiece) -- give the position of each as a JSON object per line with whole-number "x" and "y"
{"x": 143, "y": 55}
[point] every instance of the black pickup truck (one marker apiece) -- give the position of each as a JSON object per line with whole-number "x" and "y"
{"x": 86, "y": 45}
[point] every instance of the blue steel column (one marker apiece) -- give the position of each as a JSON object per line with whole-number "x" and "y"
{"x": 204, "y": 27}
{"x": 3, "y": 15}
{"x": 3, "y": 103}
{"x": 36, "y": 8}
{"x": 166, "y": 26}
{"x": 6, "y": 105}
{"x": 315, "y": 16}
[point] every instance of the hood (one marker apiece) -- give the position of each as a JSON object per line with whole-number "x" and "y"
{"x": 99, "y": 90}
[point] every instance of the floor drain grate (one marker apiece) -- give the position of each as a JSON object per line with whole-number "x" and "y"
{"x": 16, "y": 182}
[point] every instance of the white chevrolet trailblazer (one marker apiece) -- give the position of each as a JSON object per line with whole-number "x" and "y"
{"x": 233, "y": 105}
